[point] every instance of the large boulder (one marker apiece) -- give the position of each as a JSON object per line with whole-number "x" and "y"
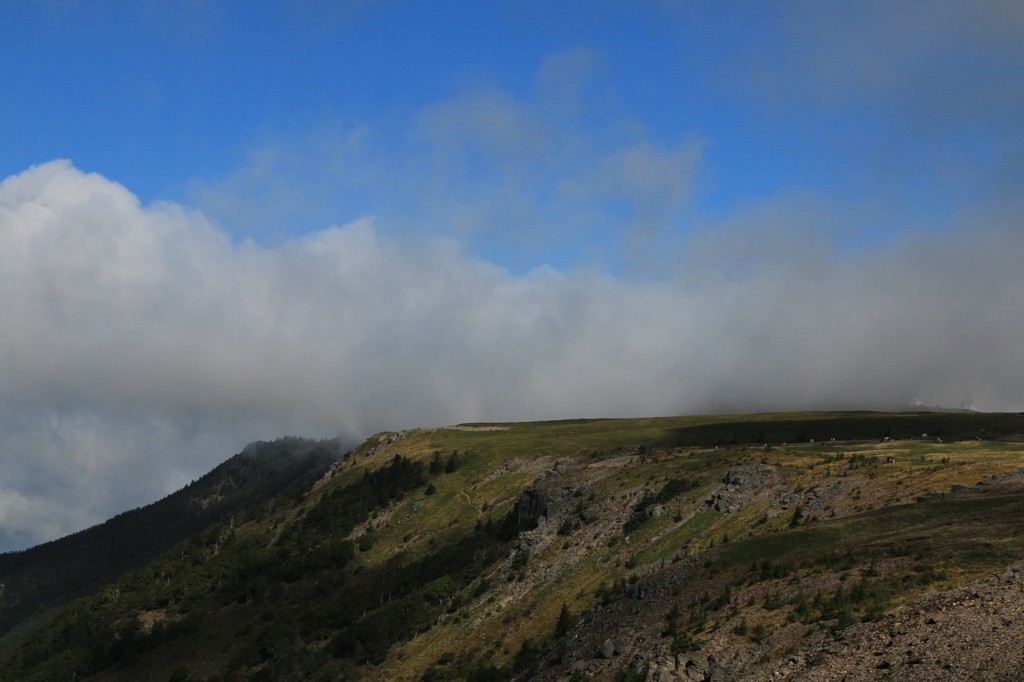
{"x": 739, "y": 485}
{"x": 532, "y": 505}
{"x": 549, "y": 499}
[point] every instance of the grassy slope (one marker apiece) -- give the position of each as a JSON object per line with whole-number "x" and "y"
{"x": 963, "y": 538}
{"x": 970, "y": 544}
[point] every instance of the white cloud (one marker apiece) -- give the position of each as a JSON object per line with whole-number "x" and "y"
{"x": 141, "y": 346}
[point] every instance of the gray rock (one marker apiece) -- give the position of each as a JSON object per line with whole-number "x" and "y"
{"x": 662, "y": 669}
{"x": 608, "y": 648}
{"x": 666, "y": 662}
{"x": 533, "y": 503}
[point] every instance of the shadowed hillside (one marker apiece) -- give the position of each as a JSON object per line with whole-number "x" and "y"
{"x": 40, "y": 579}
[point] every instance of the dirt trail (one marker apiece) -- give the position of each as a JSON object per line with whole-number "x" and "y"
{"x": 479, "y": 511}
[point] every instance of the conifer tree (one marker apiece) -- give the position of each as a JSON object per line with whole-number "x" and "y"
{"x": 564, "y": 623}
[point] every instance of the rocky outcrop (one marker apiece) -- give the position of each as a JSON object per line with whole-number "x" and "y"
{"x": 818, "y": 502}
{"x": 550, "y": 498}
{"x": 532, "y": 505}
{"x": 739, "y": 486}
{"x": 996, "y": 484}
{"x": 387, "y": 440}
{"x": 668, "y": 667}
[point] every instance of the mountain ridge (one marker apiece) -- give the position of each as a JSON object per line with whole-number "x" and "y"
{"x": 643, "y": 549}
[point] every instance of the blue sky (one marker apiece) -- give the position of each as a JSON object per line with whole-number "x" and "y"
{"x": 179, "y": 101}
{"x": 229, "y": 221}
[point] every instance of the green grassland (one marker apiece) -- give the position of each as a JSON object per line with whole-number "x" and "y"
{"x": 396, "y": 566}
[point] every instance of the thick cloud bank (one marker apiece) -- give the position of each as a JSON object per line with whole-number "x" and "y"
{"x": 140, "y": 346}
